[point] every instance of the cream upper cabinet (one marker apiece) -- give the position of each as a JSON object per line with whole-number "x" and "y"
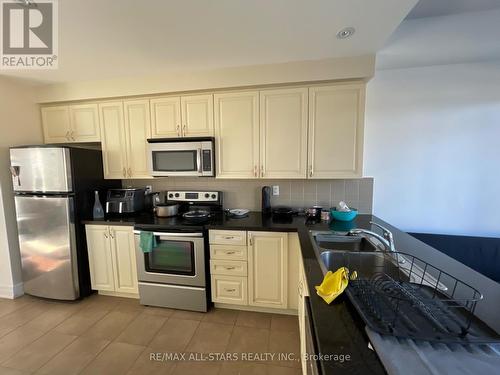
{"x": 336, "y": 117}
{"x": 56, "y": 124}
{"x": 166, "y": 117}
{"x": 113, "y": 140}
{"x": 197, "y": 115}
{"x": 137, "y": 131}
{"x": 100, "y": 257}
{"x": 73, "y": 123}
{"x": 123, "y": 251}
{"x": 237, "y": 134}
{"x": 84, "y": 123}
{"x": 283, "y": 133}
{"x": 268, "y": 269}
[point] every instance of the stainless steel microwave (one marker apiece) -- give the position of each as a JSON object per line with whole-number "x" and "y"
{"x": 181, "y": 157}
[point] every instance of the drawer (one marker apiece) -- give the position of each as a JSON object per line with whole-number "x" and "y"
{"x": 229, "y": 289}
{"x": 228, "y": 252}
{"x": 228, "y": 267}
{"x": 227, "y": 237}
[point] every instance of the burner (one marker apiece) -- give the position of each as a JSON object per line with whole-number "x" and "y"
{"x": 196, "y": 206}
{"x": 197, "y": 215}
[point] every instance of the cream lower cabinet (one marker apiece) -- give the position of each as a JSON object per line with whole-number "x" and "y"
{"x": 125, "y": 127}
{"x": 303, "y": 292}
{"x": 336, "y": 118}
{"x": 71, "y": 124}
{"x": 112, "y": 261}
{"x": 268, "y": 269}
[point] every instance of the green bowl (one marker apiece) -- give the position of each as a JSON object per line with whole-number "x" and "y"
{"x": 343, "y": 215}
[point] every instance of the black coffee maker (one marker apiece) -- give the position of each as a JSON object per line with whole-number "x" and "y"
{"x": 266, "y": 201}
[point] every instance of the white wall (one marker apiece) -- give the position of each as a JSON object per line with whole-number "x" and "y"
{"x": 432, "y": 144}
{"x": 19, "y": 124}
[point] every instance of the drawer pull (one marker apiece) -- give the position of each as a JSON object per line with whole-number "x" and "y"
{"x": 230, "y": 268}
{"x": 230, "y": 252}
{"x": 229, "y": 237}
{"x": 230, "y": 290}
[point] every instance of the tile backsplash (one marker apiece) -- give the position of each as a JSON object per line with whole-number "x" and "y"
{"x": 357, "y": 193}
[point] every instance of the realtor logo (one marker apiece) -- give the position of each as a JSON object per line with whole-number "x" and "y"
{"x": 28, "y": 34}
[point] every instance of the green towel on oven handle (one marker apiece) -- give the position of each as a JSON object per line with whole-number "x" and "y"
{"x": 147, "y": 241}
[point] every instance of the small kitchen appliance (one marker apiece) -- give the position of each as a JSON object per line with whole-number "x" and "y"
{"x": 125, "y": 201}
{"x": 182, "y": 157}
{"x": 174, "y": 274}
{"x": 266, "y": 201}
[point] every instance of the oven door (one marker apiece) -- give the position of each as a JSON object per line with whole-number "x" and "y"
{"x": 178, "y": 258}
{"x": 175, "y": 159}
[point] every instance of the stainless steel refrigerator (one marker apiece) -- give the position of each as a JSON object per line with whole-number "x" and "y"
{"x": 53, "y": 187}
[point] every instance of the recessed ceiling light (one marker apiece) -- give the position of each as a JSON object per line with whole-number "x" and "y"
{"x": 346, "y": 32}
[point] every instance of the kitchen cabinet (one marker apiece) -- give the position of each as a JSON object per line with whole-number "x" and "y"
{"x": 125, "y": 130}
{"x": 184, "y": 116}
{"x": 197, "y": 113}
{"x": 111, "y": 251}
{"x": 137, "y": 131}
{"x": 71, "y": 124}
{"x": 303, "y": 292}
{"x": 336, "y": 117}
{"x": 237, "y": 134}
{"x": 268, "y": 269}
{"x": 113, "y": 140}
{"x": 283, "y": 133}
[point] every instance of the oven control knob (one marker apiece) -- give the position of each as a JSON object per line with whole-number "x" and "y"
{"x": 177, "y": 195}
{"x": 207, "y": 195}
{"x": 214, "y": 196}
{"x": 170, "y": 195}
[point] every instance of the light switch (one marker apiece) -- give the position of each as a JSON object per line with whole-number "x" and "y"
{"x": 276, "y": 190}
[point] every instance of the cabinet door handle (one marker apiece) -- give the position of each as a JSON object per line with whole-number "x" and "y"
{"x": 72, "y": 135}
{"x": 105, "y": 235}
{"x": 230, "y": 252}
{"x": 184, "y": 129}
{"x": 230, "y": 290}
{"x": 228, "y": 237}
{"x": 262, "y": 170}
{"x": 310, "y": 170}
{"x": 230, "y": 268}
{"x": 112, "y": 233}
{"x": 250, "y": 241}
{"x": 178, "y": 127}
{"x": 255, "y": 171}
{"x": 68, "y": 135}
{"x": 130, "y": 172}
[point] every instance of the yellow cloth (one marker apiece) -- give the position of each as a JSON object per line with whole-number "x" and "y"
{"x": 334, "y": 284}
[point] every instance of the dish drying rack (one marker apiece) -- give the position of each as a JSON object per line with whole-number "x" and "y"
{"x": 399, "y": 294}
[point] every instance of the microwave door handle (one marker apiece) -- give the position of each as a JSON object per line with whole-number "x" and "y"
{"x": 198, "y": 160}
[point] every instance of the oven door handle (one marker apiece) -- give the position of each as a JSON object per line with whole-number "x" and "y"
{"x": 169, "y": 234}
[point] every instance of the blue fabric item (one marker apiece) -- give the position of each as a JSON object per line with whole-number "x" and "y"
{"x": 147, "y": 242}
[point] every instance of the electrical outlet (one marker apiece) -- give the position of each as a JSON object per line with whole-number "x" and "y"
{"x": 276, "y": 190}
{"x": 149, "y": 189}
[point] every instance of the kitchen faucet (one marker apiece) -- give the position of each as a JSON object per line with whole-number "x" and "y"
{"x": 387, "y": 239}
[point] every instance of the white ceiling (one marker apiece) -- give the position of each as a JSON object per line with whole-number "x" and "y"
{"x": 434, "y": 8}
{"x": 454, "y": 39}
{"x": 103, "y": 39}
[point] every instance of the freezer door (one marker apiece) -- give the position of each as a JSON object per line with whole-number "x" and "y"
{"x": 41, "y": 169}
{"x": 48, "y": 247}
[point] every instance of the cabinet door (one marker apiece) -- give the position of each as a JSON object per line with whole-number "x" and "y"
{"x": 302, "y": 294}
{"x": 56, "y": 124}
{"x": 336, "y": 131}
{"x": 123, "y": 250}
{"x": 113, "y": 140}
{"x": 197, "y": 115}
{"x": 100, "y": 258}
{"x": 85, "y": 123}
{"x": 166, "y": 117}
{"x": 137, "y": 131}
{"x": 283, "y": 133}
{"x": 237, "y": 133}
{"x": 268, "y": 269}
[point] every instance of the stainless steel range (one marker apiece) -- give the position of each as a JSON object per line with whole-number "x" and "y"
{"x": 174, "y": 274}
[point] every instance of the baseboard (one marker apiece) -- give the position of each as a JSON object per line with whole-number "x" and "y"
{"x": 11, "y": 292}
{"x": 256, "y": 309}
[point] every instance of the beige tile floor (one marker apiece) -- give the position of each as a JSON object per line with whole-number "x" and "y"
{"x": 110, "y": 335}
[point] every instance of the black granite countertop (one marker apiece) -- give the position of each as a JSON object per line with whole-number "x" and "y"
{"x": 339, "y": 329}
